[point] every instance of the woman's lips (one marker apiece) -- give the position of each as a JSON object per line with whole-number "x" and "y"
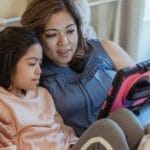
{"x": 35, "y": 80}
{"x": 63, "y": 53}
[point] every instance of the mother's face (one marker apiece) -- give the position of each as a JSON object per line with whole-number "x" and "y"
{"x": 60, "y": 38}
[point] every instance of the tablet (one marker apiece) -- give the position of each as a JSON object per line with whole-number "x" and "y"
{"x": 130, "y": 89}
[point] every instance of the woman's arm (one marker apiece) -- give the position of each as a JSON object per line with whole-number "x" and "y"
{"x": 118, "y": 55}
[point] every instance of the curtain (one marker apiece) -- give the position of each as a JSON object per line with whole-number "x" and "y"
{"x": 130, "y": 28}
{"x": 132, "y": 21}
{"x": 103, "y": 19}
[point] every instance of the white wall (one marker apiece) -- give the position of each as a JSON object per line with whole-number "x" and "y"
{"x": 12, "y": 8}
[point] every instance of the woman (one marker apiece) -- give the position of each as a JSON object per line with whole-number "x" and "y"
{"x": 78, "y": 73}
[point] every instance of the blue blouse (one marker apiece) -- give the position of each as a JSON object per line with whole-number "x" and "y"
{"x": 79, "y": 96}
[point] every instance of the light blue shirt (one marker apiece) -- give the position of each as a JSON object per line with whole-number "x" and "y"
{"x": 79, "y": 96}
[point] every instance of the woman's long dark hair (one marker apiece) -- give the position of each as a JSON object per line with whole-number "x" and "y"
{"x": 14, "y": 42}
{"x": 37, "y": 15}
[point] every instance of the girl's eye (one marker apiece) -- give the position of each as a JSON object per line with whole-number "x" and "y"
{"x": 32, "y": 64}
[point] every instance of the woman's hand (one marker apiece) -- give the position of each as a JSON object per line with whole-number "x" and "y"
{"x": 5, "y": 136}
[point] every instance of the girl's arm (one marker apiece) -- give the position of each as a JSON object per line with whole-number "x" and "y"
{"x": 118, "y": 55}
{"x": 68, "y": 131}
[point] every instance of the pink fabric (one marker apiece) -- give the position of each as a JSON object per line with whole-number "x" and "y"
{"x": 34, "y": 122}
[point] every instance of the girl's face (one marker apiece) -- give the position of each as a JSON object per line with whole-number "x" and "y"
{"x": 60, "y": 38}
{"x": 27, "y": 73}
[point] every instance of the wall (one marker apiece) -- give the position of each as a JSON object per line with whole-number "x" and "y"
{"x": 12, "y": 8}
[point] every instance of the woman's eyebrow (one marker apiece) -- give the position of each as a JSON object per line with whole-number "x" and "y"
{"x": 34, "y": 58}
{"x": 54, "y": 29}
{"x": 70, "y": 25}
{"x": 50, "y": 29}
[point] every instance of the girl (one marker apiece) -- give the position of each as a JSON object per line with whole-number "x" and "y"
{"x": 33, "y": 121}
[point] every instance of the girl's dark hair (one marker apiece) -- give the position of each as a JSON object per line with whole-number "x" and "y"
{"x": 37, "y": 15}
{"x": 14, "y": 42}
